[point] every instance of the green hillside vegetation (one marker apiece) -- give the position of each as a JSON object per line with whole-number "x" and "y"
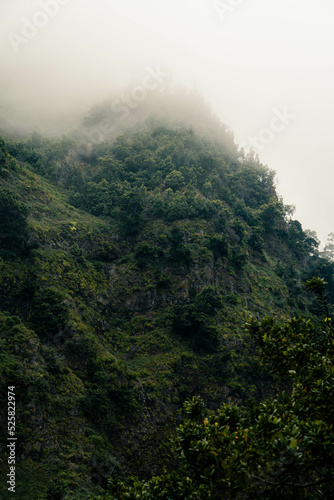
{"x": 128, "y": 268}
{"x": 279, "y": 448}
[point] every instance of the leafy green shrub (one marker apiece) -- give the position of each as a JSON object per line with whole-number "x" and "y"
{"x": 13, "y": 221}
{"x": 239, "y": 228}
{"x": 231, "y": 298}
{"x": 174, "y": 180}
{"x": 49, "y": 314}
{"x": 146, "y": 253}
{"x": 192, "y": 321}
{"x": 218, "y": 245}
{"x": 56, "y": 490}
{"x": 185, "y": 320}
{"x": 96, "y": 404}
{"x": 163, "y": 280}
{"x": 208, "y": 300}
{"x": 255, "y": 239}
{"x": 177, "y": 207}
{"x": 131, "y": 206}
{"x": 77, "y": 253}
{"x": 239, "y": 258}
{"x": 178, "y": 251}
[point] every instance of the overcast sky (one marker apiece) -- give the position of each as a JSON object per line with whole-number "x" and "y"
{"x": 265, "y": 66}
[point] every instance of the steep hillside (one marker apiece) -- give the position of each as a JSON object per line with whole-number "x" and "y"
{"x": 128, "y": 268}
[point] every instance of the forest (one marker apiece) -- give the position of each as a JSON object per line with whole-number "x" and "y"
{"x": 164, "y": 319}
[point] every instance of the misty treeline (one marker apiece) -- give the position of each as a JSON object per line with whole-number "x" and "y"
{"x": 150, "y": 166}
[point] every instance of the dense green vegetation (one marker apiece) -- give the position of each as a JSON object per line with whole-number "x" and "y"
{"x": 128, "y": 268}
{"x": 279, "y": 448}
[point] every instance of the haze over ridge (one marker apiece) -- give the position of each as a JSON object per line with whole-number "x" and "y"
{"x": 249, "y": 58}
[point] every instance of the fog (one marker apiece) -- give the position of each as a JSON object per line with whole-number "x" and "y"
{"x": 265, "y": 66}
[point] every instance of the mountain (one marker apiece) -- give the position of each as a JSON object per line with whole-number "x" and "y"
{"x": 128, "y": 267}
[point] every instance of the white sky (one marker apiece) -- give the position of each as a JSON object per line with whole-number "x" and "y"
{"x": 258, "y": 56}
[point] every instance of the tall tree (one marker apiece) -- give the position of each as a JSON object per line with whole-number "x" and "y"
{"x": 328, "y": 251}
